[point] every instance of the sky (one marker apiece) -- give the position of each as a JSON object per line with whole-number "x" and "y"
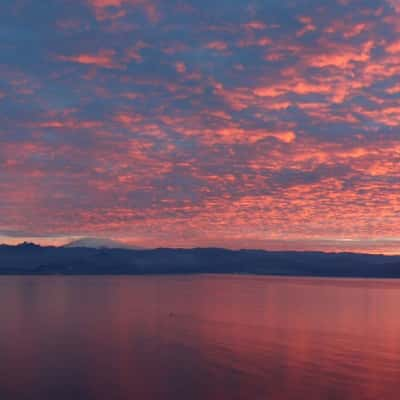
{"x": 237, "y": 123}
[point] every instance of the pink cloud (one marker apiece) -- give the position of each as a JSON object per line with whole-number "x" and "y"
{"x": 217, "y": 45}
{"x": 180, "y": 67}
{"x": 102, "y": 9}
{"x": 308, "y": 26}
{"x": 103, "y": 59}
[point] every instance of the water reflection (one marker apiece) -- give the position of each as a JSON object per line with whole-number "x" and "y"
{"x": 204, "y": 337}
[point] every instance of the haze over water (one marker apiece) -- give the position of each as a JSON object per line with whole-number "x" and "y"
{"x": 198, "y": 337}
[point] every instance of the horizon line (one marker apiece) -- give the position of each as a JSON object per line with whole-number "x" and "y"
{"x": 266, "y": 250}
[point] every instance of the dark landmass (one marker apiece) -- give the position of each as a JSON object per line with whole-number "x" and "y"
{"x": 31, "y": 259}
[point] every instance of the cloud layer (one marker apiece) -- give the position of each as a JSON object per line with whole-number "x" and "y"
{"x": 191, "y": 122}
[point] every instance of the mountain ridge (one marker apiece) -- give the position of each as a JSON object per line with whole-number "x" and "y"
{"x": 99, "y": 243}
{"x": 36, "y": 260}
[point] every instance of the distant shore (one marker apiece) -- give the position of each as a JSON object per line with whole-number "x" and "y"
{"x": 31, "y": 259}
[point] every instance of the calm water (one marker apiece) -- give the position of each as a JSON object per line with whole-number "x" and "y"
{"x": 204, "y": 337}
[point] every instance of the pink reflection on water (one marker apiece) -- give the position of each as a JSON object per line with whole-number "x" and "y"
{"x": 200, "y": 337}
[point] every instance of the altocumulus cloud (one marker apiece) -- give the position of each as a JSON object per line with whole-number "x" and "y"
{"x": 186, "y": 123}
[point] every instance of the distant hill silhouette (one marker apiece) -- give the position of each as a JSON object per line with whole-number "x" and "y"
{"x": 99, "y": 243}
{"x": 29, "y": 258}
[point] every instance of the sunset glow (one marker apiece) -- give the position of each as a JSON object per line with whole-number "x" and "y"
{"x": 258, "y": 124}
